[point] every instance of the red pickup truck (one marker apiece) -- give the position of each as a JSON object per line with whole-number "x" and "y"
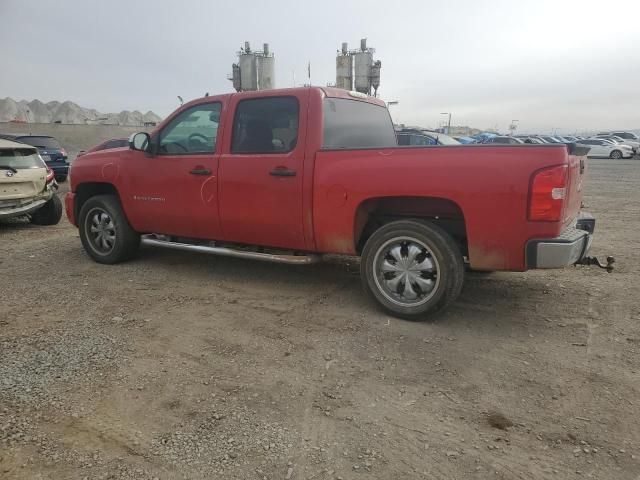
{"x": 287, "y": 175}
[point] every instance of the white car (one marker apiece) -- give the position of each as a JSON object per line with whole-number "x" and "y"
{"x": 635, "y": 144}
{"x": 628, "y": 137}
{"x": 600, "y": 147}
{"x": 27, "y": 185}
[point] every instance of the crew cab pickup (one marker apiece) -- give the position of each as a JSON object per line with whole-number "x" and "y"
{"x": 290, "y": 174}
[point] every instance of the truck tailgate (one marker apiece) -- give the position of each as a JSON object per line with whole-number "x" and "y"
{"x": 576, "y": 176}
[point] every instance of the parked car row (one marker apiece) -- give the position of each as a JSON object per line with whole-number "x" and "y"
{"x": 607, "y": 144}
{"x": 417, "y": 137}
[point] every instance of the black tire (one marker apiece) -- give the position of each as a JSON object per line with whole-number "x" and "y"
{"x": 49, "y": 214}
{"x": 615, "y": 155}
{"x": 446, "y": 274}
{"x": 114, "y": 240}
{"x": 61, "y": 178}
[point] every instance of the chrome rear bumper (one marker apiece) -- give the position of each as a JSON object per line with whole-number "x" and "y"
{"x": 567, "y": 249}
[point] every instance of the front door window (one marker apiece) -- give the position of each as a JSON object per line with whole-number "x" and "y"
{"x": 193, "y": 131}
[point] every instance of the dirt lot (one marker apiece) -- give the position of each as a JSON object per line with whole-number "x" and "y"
{"x": 191, "y": 367}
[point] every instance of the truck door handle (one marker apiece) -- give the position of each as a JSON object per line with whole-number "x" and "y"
{"x": 200, "y": 171}
{"x": 282, "y": 172}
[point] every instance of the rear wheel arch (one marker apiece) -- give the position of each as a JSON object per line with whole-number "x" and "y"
{"x": 374, "y": 213}
{"x": 412, "y": 268}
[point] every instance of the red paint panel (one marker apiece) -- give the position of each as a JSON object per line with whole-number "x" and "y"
{"x": 489, "y": 184}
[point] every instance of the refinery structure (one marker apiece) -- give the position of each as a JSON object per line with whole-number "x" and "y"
{"x": 355, "y": 69}
{"x": 254, "y": 70}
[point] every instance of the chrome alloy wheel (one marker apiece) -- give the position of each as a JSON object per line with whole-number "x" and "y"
{"x": 100, "y": 231}
{"x": 406, "y": 271}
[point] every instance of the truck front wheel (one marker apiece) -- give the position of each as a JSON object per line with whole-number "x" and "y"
{"x": 412, "y": 268}
{"x": 105, "y": 232}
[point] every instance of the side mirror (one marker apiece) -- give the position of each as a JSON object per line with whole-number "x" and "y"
{"x": 139, "y": 141}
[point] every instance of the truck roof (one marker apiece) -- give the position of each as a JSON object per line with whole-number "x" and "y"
{"x": 331, "y": 92}
{"x": 334, "y": 92}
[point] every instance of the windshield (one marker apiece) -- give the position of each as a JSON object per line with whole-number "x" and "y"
{"x": 41, "y": 142}
{"x": 19, "y": 159}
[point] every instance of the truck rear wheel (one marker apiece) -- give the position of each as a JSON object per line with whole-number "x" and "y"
{"x": 412, "y": 268}
{"x": 49, "y": 214}
{"x": 105, "y": 232}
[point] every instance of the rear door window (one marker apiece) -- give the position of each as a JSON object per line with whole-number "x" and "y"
{"x": 356, "y": 124}
{"x": 265, "y": 125}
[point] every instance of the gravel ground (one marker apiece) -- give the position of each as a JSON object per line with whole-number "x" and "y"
{"x": 179, "y": 366}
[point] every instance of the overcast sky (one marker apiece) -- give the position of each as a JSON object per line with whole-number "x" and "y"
{"x": 563, "y": 64}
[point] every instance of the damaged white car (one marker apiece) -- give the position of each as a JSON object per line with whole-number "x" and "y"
{"x": 27, "y": 186}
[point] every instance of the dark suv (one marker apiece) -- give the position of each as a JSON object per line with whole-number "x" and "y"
{"x": 49, "y": 149}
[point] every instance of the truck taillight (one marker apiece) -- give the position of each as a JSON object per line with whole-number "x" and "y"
{"x": 548, "y": 192}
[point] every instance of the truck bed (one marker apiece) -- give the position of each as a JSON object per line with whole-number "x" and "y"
{"x": 488, "y": 185}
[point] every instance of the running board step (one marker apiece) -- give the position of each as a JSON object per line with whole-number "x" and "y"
{"x": 229, "y": 252}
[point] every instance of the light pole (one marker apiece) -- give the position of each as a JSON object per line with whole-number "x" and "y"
{"x": 391, "y": 104}
{"x": 513, "y": 126}
{"x": 449, "y": 122}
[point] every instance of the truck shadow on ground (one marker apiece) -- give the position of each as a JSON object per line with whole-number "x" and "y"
{"x": 497, "y": 298}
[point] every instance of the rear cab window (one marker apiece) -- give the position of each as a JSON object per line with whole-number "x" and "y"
{"x": 356, "y": 124}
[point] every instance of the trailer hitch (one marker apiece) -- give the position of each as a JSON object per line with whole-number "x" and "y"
{"x": 594, "y": 261}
